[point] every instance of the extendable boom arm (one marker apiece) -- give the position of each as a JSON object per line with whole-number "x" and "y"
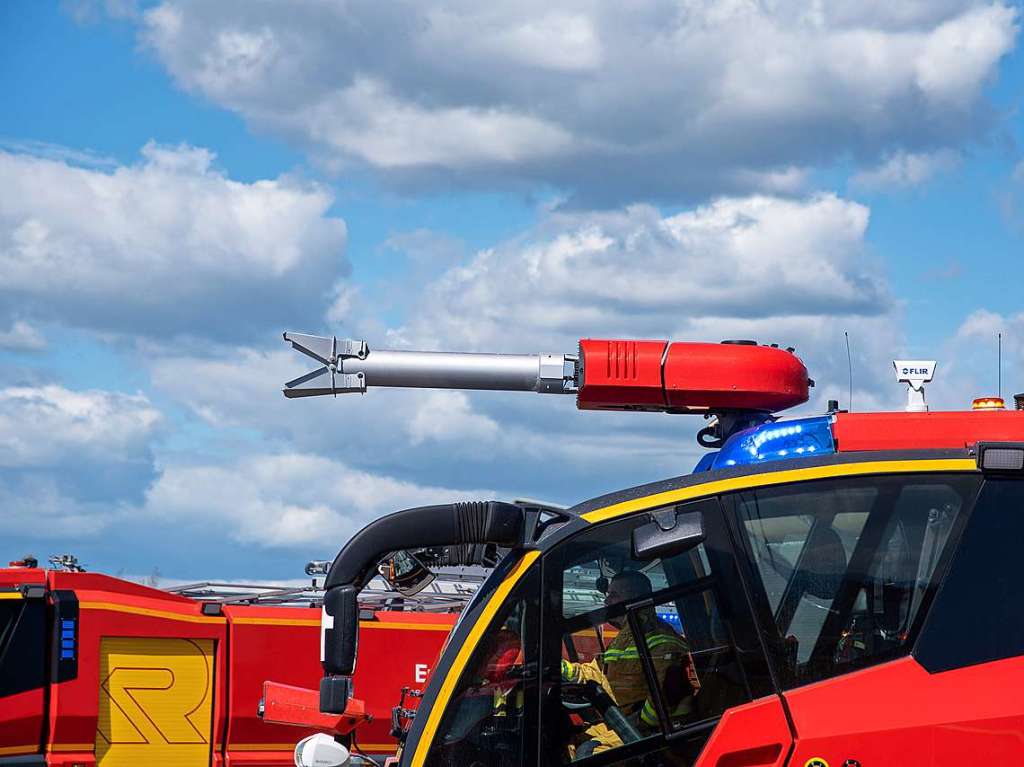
{"x": 674, "y": 377}
{"x": 350, "y": 366}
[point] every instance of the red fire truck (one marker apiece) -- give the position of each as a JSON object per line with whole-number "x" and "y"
{"x": 96, "y": 670}
{"x": 831, "y": 591}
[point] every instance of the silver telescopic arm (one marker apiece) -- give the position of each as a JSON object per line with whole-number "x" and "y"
{"x": 350, "y": 366}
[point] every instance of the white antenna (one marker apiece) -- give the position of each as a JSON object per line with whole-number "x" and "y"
{"x": 915, "y": 373}
{"x": 999, "y": 363}
{"x": 849, "y": 367}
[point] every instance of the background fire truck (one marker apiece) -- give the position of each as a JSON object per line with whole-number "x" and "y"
{"x": 96, "y": 670}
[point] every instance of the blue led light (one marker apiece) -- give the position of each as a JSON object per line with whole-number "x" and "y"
{"x": 802, "y": 438}
{"x": 66, "y": 625}
{"x": 67, "y": 654}
{"x": 672, "y": 619}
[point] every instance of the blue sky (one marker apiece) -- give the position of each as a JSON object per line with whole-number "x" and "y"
{"x": 185, "y": 180}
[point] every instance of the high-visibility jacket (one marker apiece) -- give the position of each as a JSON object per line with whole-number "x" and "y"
{"x": 620, "y": 672}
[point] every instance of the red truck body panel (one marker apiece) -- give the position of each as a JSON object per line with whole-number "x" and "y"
{"x": 215, "y": 664}
{"x": 923, "y": 431}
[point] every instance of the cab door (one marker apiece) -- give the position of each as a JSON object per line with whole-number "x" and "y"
{"x": 844, "y": 573}
{"x": 654, "y": 661}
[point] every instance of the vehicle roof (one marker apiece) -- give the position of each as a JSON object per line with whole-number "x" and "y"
{"x": 706, "y": 477}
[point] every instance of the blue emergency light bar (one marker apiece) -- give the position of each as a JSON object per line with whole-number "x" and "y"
{"x": 799, "y": 438}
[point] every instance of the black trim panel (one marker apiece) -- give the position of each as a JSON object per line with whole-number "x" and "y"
{"x": 65, "y": 637}
{"x": 976, "y": 616}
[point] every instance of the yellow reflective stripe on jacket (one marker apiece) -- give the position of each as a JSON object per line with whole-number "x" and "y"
{"x": 652, "y": 640}
{"x": 648, "y": 715}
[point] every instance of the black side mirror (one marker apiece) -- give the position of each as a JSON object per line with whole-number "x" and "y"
{"x": 668, "y": 534}
{"x": 340, "y": 630}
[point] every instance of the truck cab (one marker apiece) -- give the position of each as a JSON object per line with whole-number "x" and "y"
{"x": 832, "y": 610}
{"x": 820, "y": 592}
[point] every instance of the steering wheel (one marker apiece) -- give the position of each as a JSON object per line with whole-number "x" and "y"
{"x": 591, "y": 693}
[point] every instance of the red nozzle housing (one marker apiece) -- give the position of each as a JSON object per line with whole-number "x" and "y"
{"x": 688, "y": 377}
{"x": 286, "y": 704}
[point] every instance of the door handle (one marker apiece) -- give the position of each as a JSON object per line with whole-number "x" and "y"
{"x": 757, "y": 756}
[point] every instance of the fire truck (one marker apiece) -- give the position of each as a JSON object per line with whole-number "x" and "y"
{"x": 98, "y": 670}
{"x": 829, "y": 591}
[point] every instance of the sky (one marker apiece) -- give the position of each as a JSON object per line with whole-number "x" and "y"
{"x": 182, "y": 181}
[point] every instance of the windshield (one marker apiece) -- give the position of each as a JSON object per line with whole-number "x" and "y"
{"x": 491, "y": 582}
{"x": 846, "y": 565}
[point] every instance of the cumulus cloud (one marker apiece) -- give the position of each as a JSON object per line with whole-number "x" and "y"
{"x": 905, "y": 169}
{"x": 969, "y": 366}
{"x": 71, "y": 461}
{"x": 165, "y": 248}
{"x": 634, "y": 272}
{"x": 612, "y": 102}
{"x": 289, "y": 500}
{"x": 22, "y": 337}
{"x": 795, "y": 272}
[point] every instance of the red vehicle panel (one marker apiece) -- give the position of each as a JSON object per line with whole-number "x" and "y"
{"x": 754, "y": 735}
{"x": 898, "y": 713}
{"x": 920, "y": 431}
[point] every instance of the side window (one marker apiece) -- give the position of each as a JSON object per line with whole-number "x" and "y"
{"x": 642, "y": 647}
{"x": 22, "y": 645}
{"x": 846, "y": 565}
{"x": 976, "y": 616}
{"x": 491, "y": 718}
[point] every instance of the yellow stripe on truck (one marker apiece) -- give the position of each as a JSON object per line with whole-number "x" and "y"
{"x": 28, "y": 748}
{"x": 777, "y": 478}
{"x": 133, "y": 610}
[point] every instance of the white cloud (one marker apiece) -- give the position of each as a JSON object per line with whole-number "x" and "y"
{"x": 367, "y": 121}
{"x": 969, "y": 365}
{"x": 168, "y": 247}
{"x": 71, "y": 462}
{"x": 22, "y": 337}
{"x": 44, "y": 425}
{"x": 905, "y": 169}
{"x": 288, "y": 500}
{"x": 447, "y": 415}
{"x": 612, "y": 102}
{"x": 634, "y": 272}
{"x": 957, "y": 57}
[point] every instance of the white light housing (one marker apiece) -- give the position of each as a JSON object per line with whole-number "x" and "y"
{"x": 320, "y": 750}
{"x": 915, "y": 373}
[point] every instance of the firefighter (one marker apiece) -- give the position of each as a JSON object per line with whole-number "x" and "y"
{"x": 620, "y": 672}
